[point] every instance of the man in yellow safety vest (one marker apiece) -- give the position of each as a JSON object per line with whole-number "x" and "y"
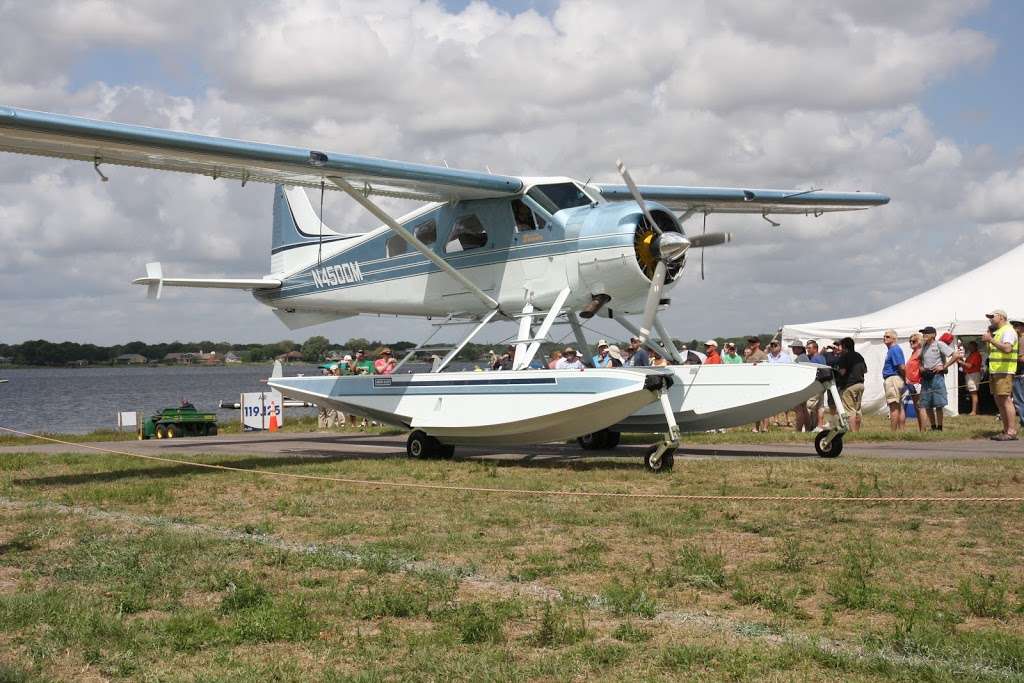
{"x": 1002, "y": 364}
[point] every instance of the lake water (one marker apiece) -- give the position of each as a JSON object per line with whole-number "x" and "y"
{"x": 81, "y": 400}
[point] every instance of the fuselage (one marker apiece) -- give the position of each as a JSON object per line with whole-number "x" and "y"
{"x": 520, "y": 249}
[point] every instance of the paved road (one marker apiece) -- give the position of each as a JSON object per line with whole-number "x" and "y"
{"x": 345, "y": 446}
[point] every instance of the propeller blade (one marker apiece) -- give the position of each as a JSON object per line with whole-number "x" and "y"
{"x": 710, "y": 239}
{"x": 653, "y": 299}
{"x": 624, "y": 172}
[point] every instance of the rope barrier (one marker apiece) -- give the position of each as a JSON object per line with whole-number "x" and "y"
{"x": 531, "y": 492}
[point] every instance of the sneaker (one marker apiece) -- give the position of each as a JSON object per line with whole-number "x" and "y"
{"x": 817, "y": 429}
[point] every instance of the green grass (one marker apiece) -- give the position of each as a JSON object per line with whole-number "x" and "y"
{"x": 300, "y": 580}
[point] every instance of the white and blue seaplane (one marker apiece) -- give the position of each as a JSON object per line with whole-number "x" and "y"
{"x": 481, "y": 247}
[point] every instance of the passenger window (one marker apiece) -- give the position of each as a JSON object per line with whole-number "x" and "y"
{"x": 396, "y": 246}
{"x": 525, "y": 218}
{"x": 426, "y": 232}
{"x": 467, "y": 233}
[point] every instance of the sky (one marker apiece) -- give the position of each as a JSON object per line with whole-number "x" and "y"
{"x": 919, "y": 100}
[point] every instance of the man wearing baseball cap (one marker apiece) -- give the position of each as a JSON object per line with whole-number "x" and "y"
{"x": 602, "y": 360}
{"x": 936, "y": 357}
{"x": 1003, "y": 347}
{"x": 711, "y": 351}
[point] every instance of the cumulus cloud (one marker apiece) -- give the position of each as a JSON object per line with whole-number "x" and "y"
{"x": 799, "y": 94}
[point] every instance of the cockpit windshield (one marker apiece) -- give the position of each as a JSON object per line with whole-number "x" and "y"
{"x": 558, "y": 196}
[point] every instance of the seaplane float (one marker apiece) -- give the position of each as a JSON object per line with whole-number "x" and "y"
{"x": 480, "y": 248}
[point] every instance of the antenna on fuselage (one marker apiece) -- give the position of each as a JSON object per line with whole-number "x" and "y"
{"x": 320, "y": 240}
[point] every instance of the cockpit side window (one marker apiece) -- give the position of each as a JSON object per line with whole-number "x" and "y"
{"x": 525, "y": 218}
{"x": 558, "y": 196}
{"x": 426, "y": 232}
{"x": 396, "y": 246}
{"x": 467, "y": 233}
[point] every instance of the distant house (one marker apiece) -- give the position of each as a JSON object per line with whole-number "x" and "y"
{"x": 290, "y": 357}
{"x": 175, "y": 358}
{"x": 6, "y": 360}
{"x": 77, "y": 363}
{"x": 130, "y": 359}
{"x": 232, "y": 357}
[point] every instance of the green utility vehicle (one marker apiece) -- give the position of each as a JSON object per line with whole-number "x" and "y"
{"x": 172, "y": 423}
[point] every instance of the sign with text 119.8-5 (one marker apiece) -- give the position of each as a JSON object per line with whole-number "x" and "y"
{"x": 259, "y": 407}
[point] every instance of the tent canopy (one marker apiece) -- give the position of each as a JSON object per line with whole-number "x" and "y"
{"x": 958, "y": 305}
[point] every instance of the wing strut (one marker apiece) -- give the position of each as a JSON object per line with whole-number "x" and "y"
{"x": 385, "y": 218}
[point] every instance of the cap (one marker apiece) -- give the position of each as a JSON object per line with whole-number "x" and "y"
{"x": 632, "y": 339}
{"x": 753, "y": 340}
{"x": 1016, "y": 322}
{"x": 615, "y": 352}
{"x": 569, "y": 349}
{"x": 796, "y": 344}
{"x": 601, "y": 343}
{"x": 927, "y": 330}
{"x": 946, "y": 338}
{"x": 774, "y": 342}
{"x": 347, "y": 357}
{"x": 711, "y": 342}
{"x": 997, "y": 311}
{"x": 385, "y": 351}
{"x": 361, "y": 351}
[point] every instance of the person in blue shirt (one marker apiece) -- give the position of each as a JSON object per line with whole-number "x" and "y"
{"x": 893, "y": 373}
{"x": 815, "y": 404}
{"x": 602, "y": 359}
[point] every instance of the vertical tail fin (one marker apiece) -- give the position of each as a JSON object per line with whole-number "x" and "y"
{"x": 298, "y": 233}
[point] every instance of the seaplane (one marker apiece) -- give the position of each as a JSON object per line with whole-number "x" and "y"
{"x": 480, "y": 248}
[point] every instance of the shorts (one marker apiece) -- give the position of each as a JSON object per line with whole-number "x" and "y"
{"x": 933, "y": 392}
{"x": 973, "y": 380}
{"x": 1001, "y": 383}
{"x": 815, "y": 402}
{"x": 893, "y": 388}
{"x": 852, "y": 396}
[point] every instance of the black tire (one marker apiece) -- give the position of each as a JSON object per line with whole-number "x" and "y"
{"x": 419, "y": 446}
{"x": 212, "y": 431}
{"x": 160, "y": 432}
{"x": 446, "y": 452}
{"x": 174, "y": 432}
{"x": 834, "y": 448}
{"x": 590, "y": 442}
{"x": 664, "y": 464}
{"x": 613, "y": 439}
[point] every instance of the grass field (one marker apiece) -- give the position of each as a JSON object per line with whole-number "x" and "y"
{"x": 112, "y": 568}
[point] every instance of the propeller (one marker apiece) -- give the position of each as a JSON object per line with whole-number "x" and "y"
{"x": 667, "y": 248}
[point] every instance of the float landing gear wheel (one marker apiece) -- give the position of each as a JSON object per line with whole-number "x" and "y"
{"x": 661, "y": 464}
{"x": 602, "y": 440}
{"x": 828, "y": 448}
{"x": 421, "y": 445}
{"x": 418, "y": 445}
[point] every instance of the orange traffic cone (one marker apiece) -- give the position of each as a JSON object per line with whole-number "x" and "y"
{"x": 273, "y": 418}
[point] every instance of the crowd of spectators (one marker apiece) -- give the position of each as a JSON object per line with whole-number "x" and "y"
{"x": 918, "y": 379}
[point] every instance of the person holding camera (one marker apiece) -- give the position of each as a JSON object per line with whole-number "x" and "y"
{"x": 1002, "y": 365}
{"x": 936, "y": 357}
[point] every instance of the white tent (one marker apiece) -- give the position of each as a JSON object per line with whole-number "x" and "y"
{"x": 958, "y": 305}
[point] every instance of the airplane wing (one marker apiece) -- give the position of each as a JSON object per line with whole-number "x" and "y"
{"x": 24, "y": 131}
{"x": 739, "y": 200}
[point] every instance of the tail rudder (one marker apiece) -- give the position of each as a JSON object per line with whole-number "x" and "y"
{"x": 298, "y": 232}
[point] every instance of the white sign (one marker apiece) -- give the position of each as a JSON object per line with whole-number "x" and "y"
{"x": 258, "y": 407}
{"x": 128, "y": 419}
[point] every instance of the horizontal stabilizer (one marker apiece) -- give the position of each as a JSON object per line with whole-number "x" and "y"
{"x": 155, "y": 282}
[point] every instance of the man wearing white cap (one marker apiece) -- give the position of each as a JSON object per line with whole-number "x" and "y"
{"x": 1002, "y": 364}
{"x": 711, "y": 351}
{"x": 602, "y": 360}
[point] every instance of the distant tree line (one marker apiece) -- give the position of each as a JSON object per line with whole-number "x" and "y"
{"x": 40, "y": 352}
